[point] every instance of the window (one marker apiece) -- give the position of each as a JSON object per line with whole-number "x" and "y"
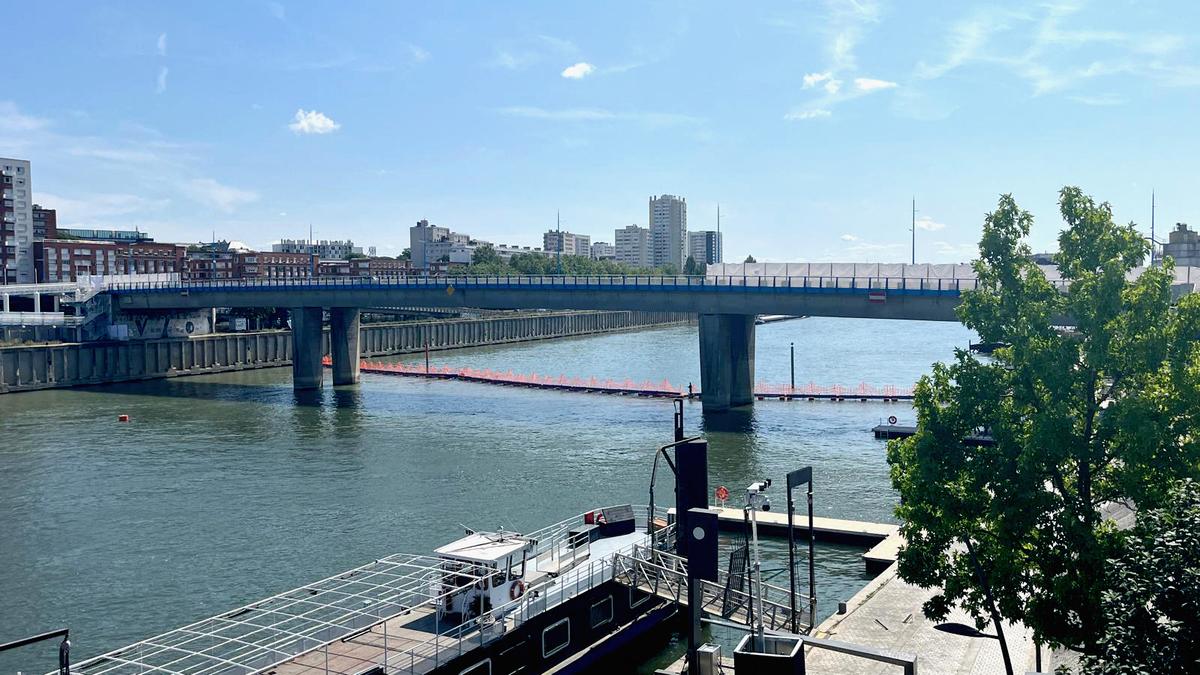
{"x": 634, "y": 603}
{"x": 556, "y": 637}
{"x": 484, "y": 667}
{"x": 602, "y": 612}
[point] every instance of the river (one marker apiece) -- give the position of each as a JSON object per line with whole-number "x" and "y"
{"x": 223, "y": 489}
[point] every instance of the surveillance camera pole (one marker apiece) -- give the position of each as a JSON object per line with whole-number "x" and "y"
{"x": 758, "y": 628}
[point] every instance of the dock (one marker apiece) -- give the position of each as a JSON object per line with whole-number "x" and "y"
{"x": 884, "y": 539}
{"x": 890, "y": 431}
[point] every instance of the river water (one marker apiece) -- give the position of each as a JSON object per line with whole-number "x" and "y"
{"x": 227, "y": 488}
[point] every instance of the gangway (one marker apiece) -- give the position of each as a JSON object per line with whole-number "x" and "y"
{"x": 664, "y": 574}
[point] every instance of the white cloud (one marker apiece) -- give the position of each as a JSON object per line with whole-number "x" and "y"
{"x": 929, "y": 224}
{"x": 871, "y": 84}
{"x": 313, "y": 122}
{"x": 418, "y": 54}
{"x": 161, "y": 85}
{"x": 813, "y": 79}
{"x": 849, "y": 237}
{"x": 578, "y": 71}
{"x": 11, "y": 119}
{"x": 833, "y": 86}
{"x": 598, "y": 115}
{"x": 224, "y": 197}
{"x": 1099, "y": 100}
{"x": 87, "y": 208}
{"x": 162, "y": 44}
{"x": 807, "y": 114}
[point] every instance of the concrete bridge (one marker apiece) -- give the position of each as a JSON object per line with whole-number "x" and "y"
{"x": 726, "y": 301}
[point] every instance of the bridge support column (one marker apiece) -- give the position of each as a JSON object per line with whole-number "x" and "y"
{"x": 726, "y": 360}
{"x": 307, "y": 370}
{"x": 343, "y": 344}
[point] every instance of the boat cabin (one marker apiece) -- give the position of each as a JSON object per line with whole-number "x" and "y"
{"x": 501, "y": 556}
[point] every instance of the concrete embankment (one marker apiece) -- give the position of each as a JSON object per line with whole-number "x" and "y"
{"x": 45, "y": 366}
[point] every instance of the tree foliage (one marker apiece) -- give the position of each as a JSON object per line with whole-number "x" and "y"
{"x": 1102, "y": 413}
{"x": 1152, "y": 603}
{"x": 750, "y": 259}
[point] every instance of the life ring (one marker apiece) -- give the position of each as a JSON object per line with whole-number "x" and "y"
{"x": 892, "y": 419}
{"x": 516, "y": 590}
{"x": 600, "y": 519}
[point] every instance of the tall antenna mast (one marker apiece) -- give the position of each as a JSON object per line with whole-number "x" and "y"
{"x": 914, "y": 231}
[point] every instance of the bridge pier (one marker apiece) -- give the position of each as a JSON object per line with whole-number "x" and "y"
{"x": 726, "y": 360}
{"x": 343, "y": 344}
{"x": 307, "y": 370}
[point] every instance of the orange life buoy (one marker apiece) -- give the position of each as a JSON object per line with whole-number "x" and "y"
{"x": 516, "y": 590}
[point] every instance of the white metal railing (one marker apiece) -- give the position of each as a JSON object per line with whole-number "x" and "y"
{"x": 38, "y": 319}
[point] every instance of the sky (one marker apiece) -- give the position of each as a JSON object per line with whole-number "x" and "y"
{"x": 812, "y": 124}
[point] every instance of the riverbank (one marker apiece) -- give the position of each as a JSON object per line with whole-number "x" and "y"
{"x": 59, "y": 365}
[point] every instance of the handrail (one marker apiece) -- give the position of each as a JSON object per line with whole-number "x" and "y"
{"x": 823, "y": 284}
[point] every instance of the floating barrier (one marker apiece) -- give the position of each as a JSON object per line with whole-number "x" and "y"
{"x": 630, "y": 387}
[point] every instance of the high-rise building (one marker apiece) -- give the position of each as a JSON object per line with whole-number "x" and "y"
{"x": 632, "y": 246}
{"x": 16, "y": 222}
{"x": 603, "y": 251}
{"x": 566, "y": 243}
{"x": 705, "y": 247}
{"x": 45, "y": 223}
{"x": 668, "y": 230}
{"x": 420, "y": 238}
{"x": 1183, "y": 245}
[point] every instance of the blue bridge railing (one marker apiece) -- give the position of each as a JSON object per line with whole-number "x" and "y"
{"x": 883, "y": 285}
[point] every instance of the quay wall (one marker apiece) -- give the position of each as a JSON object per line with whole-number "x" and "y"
{"x": 46, "y": 366}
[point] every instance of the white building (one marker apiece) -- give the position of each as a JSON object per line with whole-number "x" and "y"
{"x": 16, "y": 222}
{"x": 603, "y": 251}
{"x": 668, "y": 230}
{"x": 1183, "y": 245}
{"x": 632, "y": 246}
{"x": 420, "y": 237}
{"x": 324, "y": 250}
{"x": 566, "y": 243}
{"x": 706, "y": 247}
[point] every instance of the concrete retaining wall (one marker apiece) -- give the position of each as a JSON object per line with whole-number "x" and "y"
{"x": 30, "y": 367}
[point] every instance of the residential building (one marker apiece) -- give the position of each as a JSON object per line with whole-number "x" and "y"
{"x": 380, "y": 267}
{"x": 71, "y": 259}
{"x": 668, "y": 230}
{"x": 421, "y": 238}
{"x": 603, "y": 251}
{"x": 566, "y": 243}
{"x": 632, "y": 246}
{"x": 16, "y": 222}
{"x": 705, "y": 247}
{"x": 325, "y": 250}
{"x": 45, "y": 223}
{"x": 1183, "y": 245}
{"x": 275, "y": 265}
{"x": 117, "y": 236}
{"x": 147, "y": 257}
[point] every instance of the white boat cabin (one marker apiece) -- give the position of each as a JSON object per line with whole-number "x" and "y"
{"x": 504, "y": 553}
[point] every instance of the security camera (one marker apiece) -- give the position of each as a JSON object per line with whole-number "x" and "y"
{"x": 756, "y": 497}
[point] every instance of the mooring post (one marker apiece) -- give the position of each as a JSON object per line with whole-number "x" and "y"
{"x": 702, "y": 566}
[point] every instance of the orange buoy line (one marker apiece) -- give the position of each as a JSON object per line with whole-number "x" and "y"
{"x": 629, "y": 387}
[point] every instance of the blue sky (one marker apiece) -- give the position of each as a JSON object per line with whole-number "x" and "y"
{"x": 813, "y": 124}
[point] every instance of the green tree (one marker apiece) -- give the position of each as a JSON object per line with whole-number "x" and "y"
{"x": 1152, "y": 604}
{"x": 406, "y": 254}
{"x": 750, "y": 259}
{"x": 485, "y": 255}
{"x": 1103, "y": 413}
{"x": 690, "y": 267}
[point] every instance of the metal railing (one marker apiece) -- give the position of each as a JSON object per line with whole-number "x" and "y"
{"x": 806, "y": 284}
{"x": 665, "y": 575}
{"x": 38, "y": 319}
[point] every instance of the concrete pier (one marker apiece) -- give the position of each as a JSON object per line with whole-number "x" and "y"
{"x": 306, "y": 348}
{"x": 726, "y": 360}
{"x": 344, "y": 333}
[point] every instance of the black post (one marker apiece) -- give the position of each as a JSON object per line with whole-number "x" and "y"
{"x": 702, "y": 566}
{"x": 795, "y": 479}
{"x": 793, "y": 347}
{"x": 791, "y": 512}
